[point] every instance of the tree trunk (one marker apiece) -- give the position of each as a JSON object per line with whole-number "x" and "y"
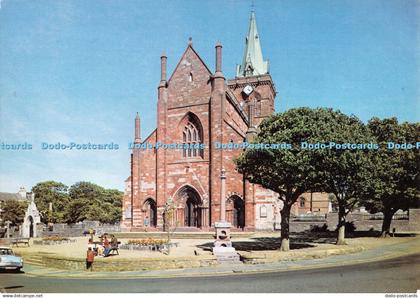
{"x": 169, "y": 244}
{"x": 341, "y": 226}
{"x": 285, "y": 219}
{"x": 386, "y": 223}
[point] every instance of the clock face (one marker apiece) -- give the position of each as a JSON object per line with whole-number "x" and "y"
{"x": 248, "y": 89}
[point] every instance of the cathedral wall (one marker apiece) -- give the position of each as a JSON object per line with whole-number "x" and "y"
{"x": 189, "y": 90}
{"x": 187, "y": 171}
{"x": 176, "y": 122}
{"x": 148, "y": 171}
{"x": 233, "y": 132}
{"x": 190, "y": 82}
{"x": 126, "y": 205}
{"x": 320, "y": 204}
{"x": 265, "y": 216}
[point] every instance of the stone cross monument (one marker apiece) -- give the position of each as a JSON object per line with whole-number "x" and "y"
{"x": 223, "y": 249}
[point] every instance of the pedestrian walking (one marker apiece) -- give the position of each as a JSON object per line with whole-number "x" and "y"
{"x": 146, "y": 223}
{"x": 90, "y": 256}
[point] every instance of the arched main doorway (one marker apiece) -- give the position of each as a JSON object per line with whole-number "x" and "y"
{"x": 191, "y": 213}
{"x": 190, "y": 200}
{"x": 236, "y": 212}
{"x": 150, "y": 210}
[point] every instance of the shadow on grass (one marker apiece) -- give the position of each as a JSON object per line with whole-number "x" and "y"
{"x": 313, "y": 237}
{"x": 259, "y": 243}
{"x": 298, "y": 240}
{"x": 322, "y": 234}
{"x": 362, "y": 234}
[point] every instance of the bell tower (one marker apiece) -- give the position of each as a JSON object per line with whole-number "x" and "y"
{"x": 253, "y": 85}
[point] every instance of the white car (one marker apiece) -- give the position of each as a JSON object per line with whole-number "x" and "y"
{"x": 8, "y": 260}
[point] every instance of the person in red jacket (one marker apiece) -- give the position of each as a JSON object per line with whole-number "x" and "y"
{"x": 90, "y": 256}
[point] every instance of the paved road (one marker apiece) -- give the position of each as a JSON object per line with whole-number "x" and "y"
{"x": 397, "y": 275}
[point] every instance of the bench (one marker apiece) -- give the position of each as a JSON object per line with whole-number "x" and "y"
{"x": 16, "y": 241}
{"x": 114, "y": 249}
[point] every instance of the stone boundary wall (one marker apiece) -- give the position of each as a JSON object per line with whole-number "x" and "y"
{"x": 76, "y": 230}
{"x": 362, "y": 222}
{"x": 299, "y": 226}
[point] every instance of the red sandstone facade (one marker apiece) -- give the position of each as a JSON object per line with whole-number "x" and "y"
{"x": 196, "y": 106}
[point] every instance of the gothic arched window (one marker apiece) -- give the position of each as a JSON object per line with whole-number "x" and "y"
{"x": 192, "y": 136}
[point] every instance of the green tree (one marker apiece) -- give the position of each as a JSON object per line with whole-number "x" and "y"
{"x": 113, "y": 213}
{"x": 344, "y": 170}
{"x": 290, "y": 173}
{"x": 114, "y": 197}
{"x": 396, "y": 177}
{"x": 86, "y": 190}
{"x": 93, "y": 202}
{"x": 13, "y": 211}
{"x": 51, "y": 192}
{"x": 78, "y": 210}
{"x": 293, "y": 172}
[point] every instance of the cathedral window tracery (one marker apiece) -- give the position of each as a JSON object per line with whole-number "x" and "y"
{"x": 191, "y": 136}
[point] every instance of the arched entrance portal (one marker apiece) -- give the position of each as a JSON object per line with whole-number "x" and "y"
{"x": 191, "y": 214}
{"x": 191, "y": 210}
{"x": 150, "y": 210}
{"x": 31, "y": 226}
{"x": 236, "y": 212}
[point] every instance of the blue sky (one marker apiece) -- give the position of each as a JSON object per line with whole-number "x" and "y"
{"x": 77, "y": 71}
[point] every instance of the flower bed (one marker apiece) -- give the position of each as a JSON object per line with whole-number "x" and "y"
{"x": 53, "y": 240}
{"x": 149, "y": 241}
{"x": 147, "y": 244}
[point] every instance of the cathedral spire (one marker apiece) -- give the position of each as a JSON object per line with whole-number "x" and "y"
{"x": 252, "y": 62}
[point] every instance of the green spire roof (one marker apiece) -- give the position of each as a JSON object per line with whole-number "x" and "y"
{"x": 252, "y": 62}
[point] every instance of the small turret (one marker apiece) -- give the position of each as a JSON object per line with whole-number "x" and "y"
{"x": 219, "y": 78}
{"x": 163, "y": 59}
{"x": 137, "y": 134}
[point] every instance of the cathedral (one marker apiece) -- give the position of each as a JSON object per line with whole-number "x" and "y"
{"x": 196, "y": 106}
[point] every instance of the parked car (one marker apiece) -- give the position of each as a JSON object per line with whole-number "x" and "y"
{"x": 8, "y": 260}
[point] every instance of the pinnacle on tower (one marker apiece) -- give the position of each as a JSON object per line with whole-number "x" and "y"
{"x": 137, "y": 137}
